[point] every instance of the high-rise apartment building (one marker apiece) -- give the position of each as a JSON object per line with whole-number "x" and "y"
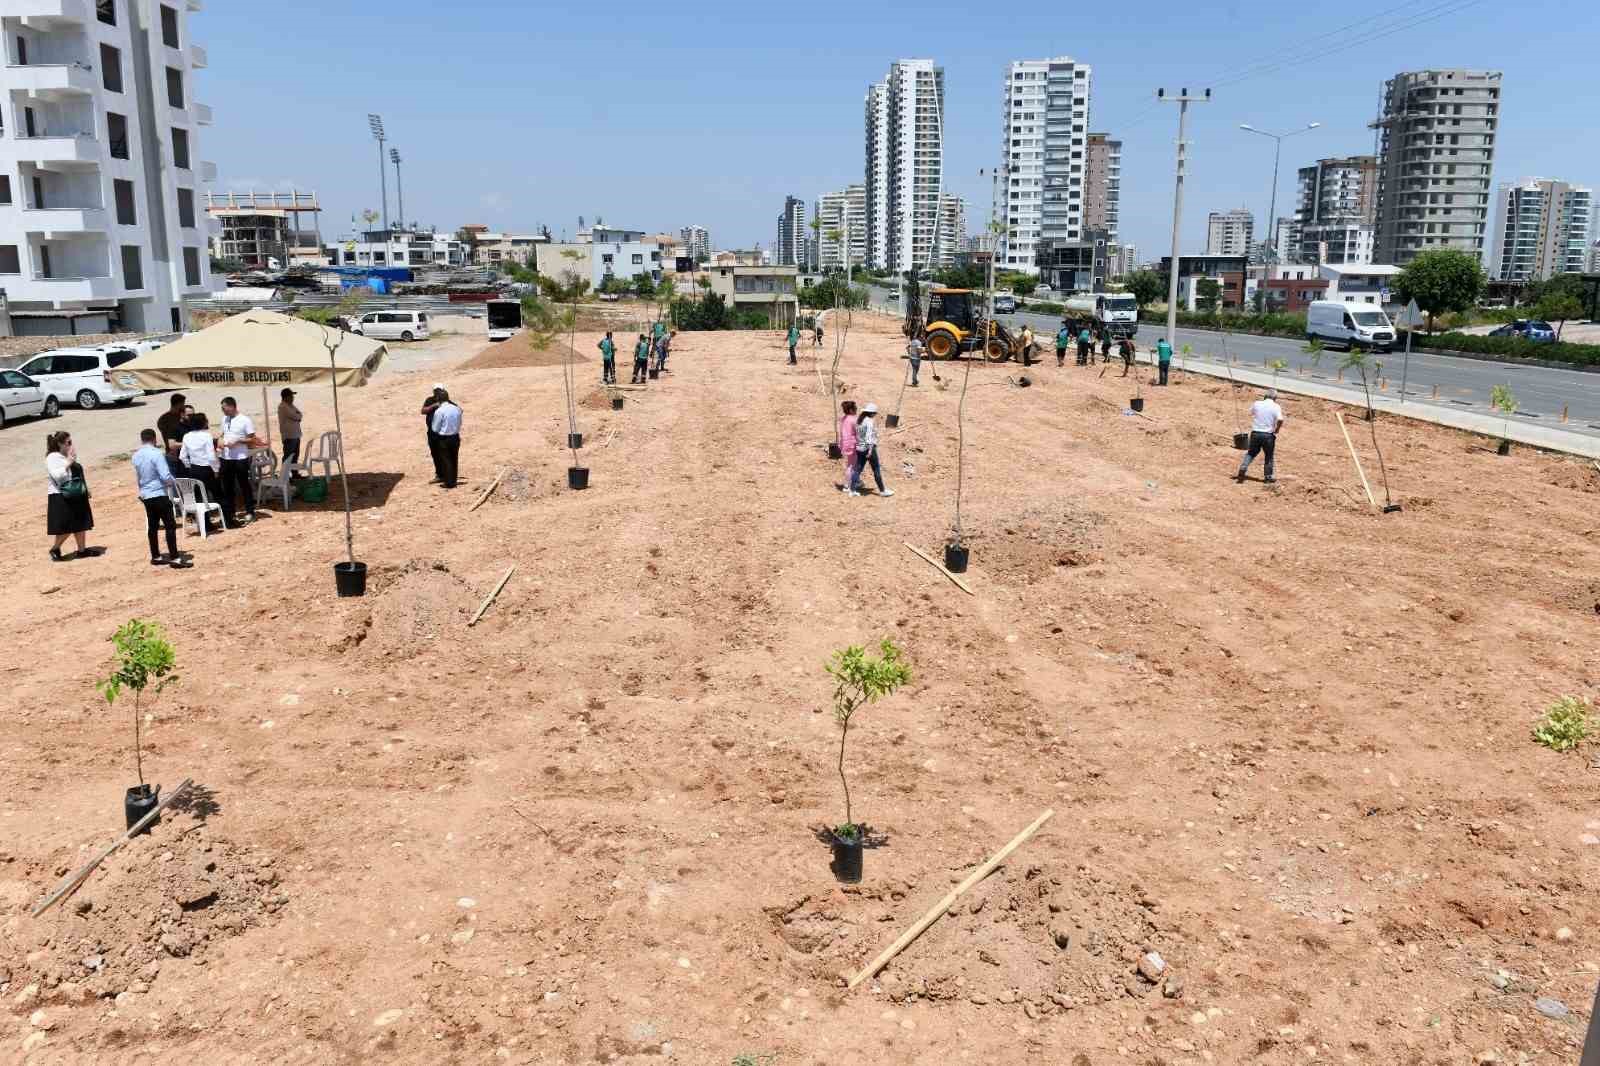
{"x": 1044, "y": 148}
{"x": 696, "y": 243}
{"x": 952, "y": 229}
{"x": 1230, "y": 232}
{"x": 1102, "y": 193}
{"x": 790, "y": 247}
{"x": 1336, "y": 206}
{"x": 100, "y": 170}
{"x": 1436, "y": 147}
{"x": 843, "y": 225}
{"x": 904, "y": 163}
{"x": 1543, "y": 228}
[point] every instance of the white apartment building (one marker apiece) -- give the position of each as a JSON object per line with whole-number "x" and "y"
{"x": 952, "y": 229}
{"x": 1543, "y": 229}
{"x": 1102, "y": 194}
{"x": 1230, "y": 232}
{"x": 1337, "y": 204}
{"x": 789, "y": 249}
{"x": 842, "y": 213}
{"x": 398, "y": 248}
{"x": 99, "y": 167}
{"x": 1044, "y": 146}
{"x": 609, "y": 253}
{"x": 1436, "y": 149}
{"x": 696, "y": 242}
{"x": 904, "y": 164}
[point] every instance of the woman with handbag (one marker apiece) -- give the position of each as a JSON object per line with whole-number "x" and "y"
{"x": 68, "y": 513}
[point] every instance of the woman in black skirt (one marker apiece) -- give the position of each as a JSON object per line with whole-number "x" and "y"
{"x": 68, "y": 512}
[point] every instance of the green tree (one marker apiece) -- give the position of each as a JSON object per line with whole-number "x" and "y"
{"x": 860, "y": 679}
{"x": 1441, "y": 280}
{"x": 1558, "y": 307}
{"x": 144, "y": 656}
{"x": 1502, "y": 399}
{"x": 1147, "y": 286}
{"x": 833, "y": 292}
{"x": 961, "y": 277}
{"x": 644, "y": 285}
{"x": 1208, "y": 293}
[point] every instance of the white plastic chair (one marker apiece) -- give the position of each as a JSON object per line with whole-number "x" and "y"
{"x": 189, "y": 500}
{"x": 263, "y": 465}
{"x": 279, "y": 480}
{"x": 327, "y": 452}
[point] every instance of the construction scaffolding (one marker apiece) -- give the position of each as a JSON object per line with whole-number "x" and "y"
{"x": 259, "y": 226}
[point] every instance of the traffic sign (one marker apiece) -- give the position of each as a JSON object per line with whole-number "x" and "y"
{"x": 1411, "y": 317}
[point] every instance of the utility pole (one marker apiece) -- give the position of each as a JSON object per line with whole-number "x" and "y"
{"x": 1183, "y": 100}
{"x": 375, "y": 122}
{"x": 399, "y": 190}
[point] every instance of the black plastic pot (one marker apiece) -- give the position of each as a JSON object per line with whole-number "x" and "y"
{"x": 955, "y": 558}
{"x": 616, "y": 403}
{"x": 846, "y": 865}
{"x": 1241, "y": 441}
{"x": 1504, "y": 448}
{"x": 654, "y": 373}
{"x": 350, "y": 578}
{"x": 574, "y": 440}
{"x": 577, "y": 477}
{"x": 139, "y": 801}
{"x": 892, "y": 421}
{"x": 834, "y": 452}
{"x": 1023, "y": 382}
{"x": 1137, "y": 403}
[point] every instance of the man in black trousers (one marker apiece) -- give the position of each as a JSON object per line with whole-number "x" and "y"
{"x": 446, "y": 426}
{"x": 429, "y": 404}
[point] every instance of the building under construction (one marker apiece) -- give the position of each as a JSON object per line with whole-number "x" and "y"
{"x": 260, "y": 227}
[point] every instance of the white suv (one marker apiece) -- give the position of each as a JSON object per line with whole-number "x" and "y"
{"x": 82, "y": 375}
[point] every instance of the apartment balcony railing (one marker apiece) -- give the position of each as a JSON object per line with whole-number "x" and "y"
{"x": 95, "y": 287}
{"x": 208, "y": 172}
{"x": 65, "y": 221}
{"x": 58, "y": 148}
{"x": 52, "y": 80}
{"x": 198, "y": 57}
{"x": 202, "y": 114}
{"x": 51, "y": 10}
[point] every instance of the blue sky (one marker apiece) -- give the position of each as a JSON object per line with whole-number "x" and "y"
{"x": 655, "y": 116}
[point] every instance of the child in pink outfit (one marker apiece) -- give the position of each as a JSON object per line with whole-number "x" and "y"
{"x": 847, "y": 441}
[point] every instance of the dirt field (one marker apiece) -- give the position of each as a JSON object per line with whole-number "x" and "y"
{"x": 1286, "y": 742}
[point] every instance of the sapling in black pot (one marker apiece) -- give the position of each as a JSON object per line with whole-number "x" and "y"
{"x": 144, "y": 661}
{"x": 858, "y": 679}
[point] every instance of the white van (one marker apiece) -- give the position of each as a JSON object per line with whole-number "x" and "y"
{"x": 83, "y": 375}
{"x": 393, "y": 325}
{"x": 1350, "y": 325}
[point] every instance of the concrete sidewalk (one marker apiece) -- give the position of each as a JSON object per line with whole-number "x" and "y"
{"x": 1439, "y": 413}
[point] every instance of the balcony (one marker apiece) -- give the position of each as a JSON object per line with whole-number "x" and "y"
{"x": 197, "y": 57}
{"x": 208, "y": 172}
{"x": 64, "y": 222}
{"x": 51, "y": 81}
{"x": 63, "y": 148}
{"x": 202, "y": 113}
{"x": 47, "y": 13}
{"x": 102, "y": 287}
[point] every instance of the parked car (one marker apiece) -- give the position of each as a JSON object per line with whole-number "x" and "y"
{"x": 83, "y": 375}
{"x": 1350, "y": 325}
{"x": 1527, "y": 328}
{"x": 22, "y": 397}
{"x": 1004, "y": 303}
{"x": 393, "y": 325}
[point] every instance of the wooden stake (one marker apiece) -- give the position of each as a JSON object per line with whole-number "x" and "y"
{"x": 1340, "y": 416}
{"x": 484, "y": 606}
{"x": 937, "y": 565}
{"x": 943, "y": 905}
{"x": 76, "y": 878}
{"x": 492, "y": 486}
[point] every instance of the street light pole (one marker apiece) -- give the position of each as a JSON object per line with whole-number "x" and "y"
{"x": 1183, "y": 100}
{"x": 375, "y": 122}
{"x": 399, "y": 190}
{"x": 1272, "y": 201}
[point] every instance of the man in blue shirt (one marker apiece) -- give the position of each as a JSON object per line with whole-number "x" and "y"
{"x": 446, "y": 425}
{"x": 154, "y": 476}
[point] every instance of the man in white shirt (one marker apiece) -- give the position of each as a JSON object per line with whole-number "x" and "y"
{"x": 1266, "y": 418}
{"x": 237, "y": 430}
{"x": 446, "y": 426}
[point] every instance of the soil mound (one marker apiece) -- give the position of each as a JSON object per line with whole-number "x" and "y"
{"x": 518, "y": 486}
{"x": 420, "y": 604}
{"x": 172, "y": 893}
{"x": 519, "y": 352}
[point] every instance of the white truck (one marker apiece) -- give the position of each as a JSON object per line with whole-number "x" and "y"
{"x": 1117, "y": 313}
{"x": 504, "y": 318}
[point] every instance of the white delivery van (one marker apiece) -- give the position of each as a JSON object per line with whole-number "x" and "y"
{"x": 1349, "y": 325}
{"x": 83, "y": 375}
{"x": 393, "y": 325}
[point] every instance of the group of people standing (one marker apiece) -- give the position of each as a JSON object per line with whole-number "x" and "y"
{"x": 858, "y": 443}
{"x": 657, "y": 347}
{"x": 442, "y": 415}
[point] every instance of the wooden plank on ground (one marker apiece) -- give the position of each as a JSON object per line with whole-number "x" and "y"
{"x": 78, "y": 876}
{"x": 492, "y": 486}
{"x": 489, "y": 599}
{"x": 1340, "y": 416}
{"x": 937, "y": 565}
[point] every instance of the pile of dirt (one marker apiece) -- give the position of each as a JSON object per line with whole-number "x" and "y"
{"x": 518, "y": 486}
{"x": 1027, "y": 935}
{"x": 519, "y": 352}
{"x": 175, "y": 892}
{"x": 420, "y": 605}
{"x": 595, "y": 400}
{"x": 1580, "y": 476}
{"x": 1036, "y": 542}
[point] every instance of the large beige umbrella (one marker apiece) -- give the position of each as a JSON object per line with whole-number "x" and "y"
{"x": 265, "y": 348}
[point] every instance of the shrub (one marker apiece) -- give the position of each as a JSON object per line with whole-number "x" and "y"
{"x": 1565, "y": 723}
{"x": 1511, "y": 347}
{"x": 1272, "y": 323}
{"x": 145, "y": 660}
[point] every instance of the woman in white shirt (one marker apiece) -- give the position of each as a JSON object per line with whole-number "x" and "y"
{"x": 867, "y": 451}
{"x": 199, "y": 455}
{"x": 67, "y": 513}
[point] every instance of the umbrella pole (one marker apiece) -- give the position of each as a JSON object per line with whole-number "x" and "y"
{"x": 266, "y": 415}
{"x": 344, "y": 480}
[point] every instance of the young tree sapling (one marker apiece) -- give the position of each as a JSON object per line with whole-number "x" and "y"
{"x": 860, "y": 679}
{"x": 144, "y": 656}
{"x": 1502, "y": 399}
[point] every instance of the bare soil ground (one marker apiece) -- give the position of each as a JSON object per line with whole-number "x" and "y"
{"x": 1286, "y": 741}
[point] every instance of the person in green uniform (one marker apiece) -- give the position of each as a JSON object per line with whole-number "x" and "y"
{"x": 1063, "y": 338}
{"x": 794, "y": 339}
{"x": 1163, "y": 359}
{"x": 1085, "y": 345}
{"x": 641, "y": 361}
{"x": 608, "y": 360}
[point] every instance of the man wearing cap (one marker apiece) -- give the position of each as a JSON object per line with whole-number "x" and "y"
{"x": 432, "y": 401}
{"x": 289, "y": 426}
{"x": 867, "y": 451}
{"x": 1266, "y": 419}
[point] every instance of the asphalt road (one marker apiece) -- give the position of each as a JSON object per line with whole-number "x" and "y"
{"x": 1541, "y": 393}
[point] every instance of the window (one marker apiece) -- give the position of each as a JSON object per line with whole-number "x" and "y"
{"x": 121, "y": 355}
{"x": 106, "y": 11}
{"x": 38, "y": 193}
{"x": 169, "y": 26}
{"x": 191, "y": 267}
{"x": 117, "y": 134}
{"x": 186, "y": 208}
{"x": 111, "y": 68}
{"x": 180, "y": 148}
{"x": 5, "y": 189}
{"x": 638, "y": 259}
{"x": 123, "y": 193}
{"x": 132, "y": 272}
{"x": 22, "y": 51}
{"x": 10, "y": 262}
{"x": 44, "y": 262}
{"x": 174, "y": 87}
